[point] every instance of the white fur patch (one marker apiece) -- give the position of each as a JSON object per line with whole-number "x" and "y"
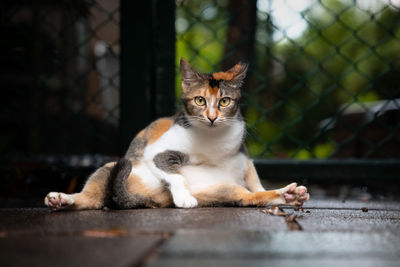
{"x": 229, "y": 170}
{"x": 146, "y": 176}
{"x": 212, "y": 144}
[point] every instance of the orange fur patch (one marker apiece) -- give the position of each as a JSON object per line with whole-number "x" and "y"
{"x": 161, "y": 196}
{"x": 223, "y": 76}
{"x": 260, "y": 198}
{"x": 159, "y": 128}
{"x": 110, "y": 165}
{"x": 220, "y": 193}
{"x": 141, "y": 133}
{"x": 231, "y": 193}
{"x": 92, "y": 195}
{"x": 135, "y": 185}
{"x": 227, "y": 75}
{"x": 212, "y": 90}
{"x": 97, "y": 181}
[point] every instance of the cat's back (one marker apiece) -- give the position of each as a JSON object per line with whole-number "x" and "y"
{"x": 148, "y": 136}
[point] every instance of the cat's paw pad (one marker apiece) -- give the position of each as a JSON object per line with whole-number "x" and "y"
{"x": 294, "y": 195}
{"x": 57, "y": 201}
{"x": 185, "y": 201}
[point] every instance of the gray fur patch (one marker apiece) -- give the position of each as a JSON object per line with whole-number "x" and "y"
{"x": 243, "y": 149}
{"x": 136, "y": 148}
{"x": 170, "y": 161}
{"x": 191, "y": 108}
{"x": 182, "y": 120}
{"x": 231, "y": 109}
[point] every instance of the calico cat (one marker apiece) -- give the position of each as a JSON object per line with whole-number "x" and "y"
{"x": 196, "y": 158}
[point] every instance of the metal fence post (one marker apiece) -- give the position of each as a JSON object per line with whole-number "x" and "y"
{"x": 147, "y": 65}
{"x": 164, "y": 58}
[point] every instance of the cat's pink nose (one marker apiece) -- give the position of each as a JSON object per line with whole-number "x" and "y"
{"x": 211, "y": 115}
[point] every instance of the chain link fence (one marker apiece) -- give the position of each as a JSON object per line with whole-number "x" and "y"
{"x": 323, "y": 83}
{"x": 323, "y": 78}
{"x": 60, "y": 76}
{"x": 59, "y": 79}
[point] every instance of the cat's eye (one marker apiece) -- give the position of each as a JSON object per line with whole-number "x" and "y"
{"x": 200, "y": 101}
{"x": 224, "y": 102}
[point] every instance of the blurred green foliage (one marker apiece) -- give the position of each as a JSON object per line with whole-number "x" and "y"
{"x": 346, "y": 54}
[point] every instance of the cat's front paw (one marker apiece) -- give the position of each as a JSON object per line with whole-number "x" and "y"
{"x": 294, "y": 195}
{"x": 185, "y": 201}
{"x": 58, "y": 201}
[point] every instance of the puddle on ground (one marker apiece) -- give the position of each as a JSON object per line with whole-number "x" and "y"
{"x": 292, "y": 223}
{"x": 290, "y": 219}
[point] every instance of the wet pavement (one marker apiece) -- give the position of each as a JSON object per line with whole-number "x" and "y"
{"x": 334, "y": 233}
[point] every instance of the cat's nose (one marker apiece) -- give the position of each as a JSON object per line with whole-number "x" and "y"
{"x": 212, "y": 119}
{"x": 211, "y": 114}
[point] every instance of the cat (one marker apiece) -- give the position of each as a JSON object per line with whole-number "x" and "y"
{"x": 196, "y": 158}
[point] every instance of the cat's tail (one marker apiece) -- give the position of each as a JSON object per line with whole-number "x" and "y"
{"x": 119, "y": 197}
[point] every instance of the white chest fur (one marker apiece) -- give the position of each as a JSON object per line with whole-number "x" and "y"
{"x": 213, "y": 153}
{"x": 201, "y": 145}
{"x": 214, "y": 145}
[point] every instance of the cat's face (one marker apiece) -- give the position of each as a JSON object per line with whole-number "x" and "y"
{"x": 212, "y": 99}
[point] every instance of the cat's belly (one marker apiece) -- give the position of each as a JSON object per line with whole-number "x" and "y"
{"x": 231, "y": 170}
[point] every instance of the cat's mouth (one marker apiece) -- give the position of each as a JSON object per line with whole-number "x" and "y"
{"x": 208, "y": 124}
{"x": 212, "y": 123}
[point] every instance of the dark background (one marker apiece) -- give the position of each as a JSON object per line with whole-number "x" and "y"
{"x": 78, "y": 79}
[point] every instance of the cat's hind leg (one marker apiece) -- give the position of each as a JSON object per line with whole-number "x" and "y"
{"x": 291, "y": 195}
{"x": 236, "y": 195}
{"x": 91, "y": 197}
{"x": 136, "y": 187}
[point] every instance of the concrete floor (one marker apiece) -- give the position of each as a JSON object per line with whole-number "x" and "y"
{"x": 334, "y": 233}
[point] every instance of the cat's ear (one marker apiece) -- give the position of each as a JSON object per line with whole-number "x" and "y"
{"x": 189, "y": 75}
{"x": 238, "y": 73}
